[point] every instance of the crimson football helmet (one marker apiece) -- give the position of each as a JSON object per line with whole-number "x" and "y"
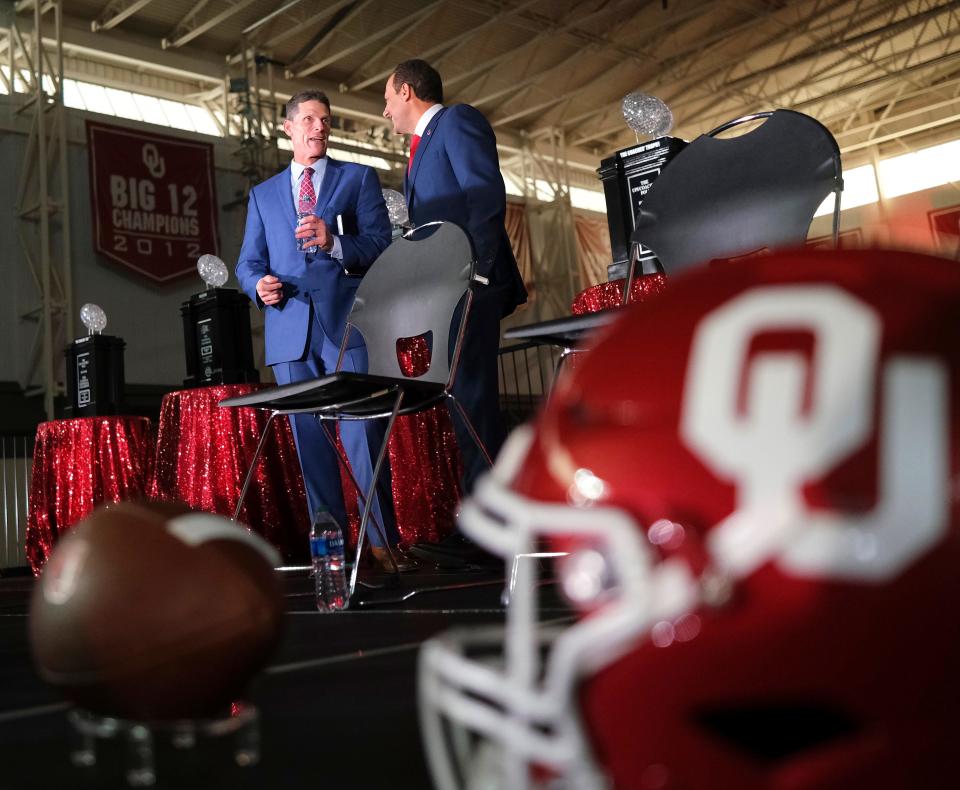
{"x": 751, "y": 481}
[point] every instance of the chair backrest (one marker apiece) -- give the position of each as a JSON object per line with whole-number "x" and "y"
{"x": 720, "y": 198}
{"x": 412, "y": 289}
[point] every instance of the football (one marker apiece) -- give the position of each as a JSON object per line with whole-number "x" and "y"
{"x": 153, "y": 611}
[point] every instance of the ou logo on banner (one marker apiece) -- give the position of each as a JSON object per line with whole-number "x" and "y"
{"x": 154, "y": 163}
{"x": 774, "y": 447}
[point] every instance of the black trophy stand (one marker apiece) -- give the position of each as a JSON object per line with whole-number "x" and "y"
{"x": 627, "y": 177}
{"x": 94, "y": 376}
{"x": 216, "y": 339}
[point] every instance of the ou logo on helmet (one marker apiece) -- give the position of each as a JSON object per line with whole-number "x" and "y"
{"x": 773, "y": 448}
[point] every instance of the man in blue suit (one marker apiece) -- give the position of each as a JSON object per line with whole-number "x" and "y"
{"x": 454, "y": 175}
{"x": 307, "y": 293}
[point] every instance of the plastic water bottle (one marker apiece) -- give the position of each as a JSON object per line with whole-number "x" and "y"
{"x": 300, "y": 217}
{"x": 329, "y": 566}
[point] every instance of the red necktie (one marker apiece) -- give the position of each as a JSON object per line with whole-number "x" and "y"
{"x": 414, "y": 142}
{"x": 308, "y": 198}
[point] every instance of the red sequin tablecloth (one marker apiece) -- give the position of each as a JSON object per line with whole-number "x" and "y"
{"x": 204, "y": 451}
{"x": 77, "y": 464}
{"x": 426, "y": 466}
{"x": 610, "y": 294}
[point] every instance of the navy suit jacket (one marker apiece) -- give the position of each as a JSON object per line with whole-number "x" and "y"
{"x": 269, "y": 247}
{"x": 456, "y": 177}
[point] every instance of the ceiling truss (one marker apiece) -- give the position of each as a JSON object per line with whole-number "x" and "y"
{"x": 877, "y": 72}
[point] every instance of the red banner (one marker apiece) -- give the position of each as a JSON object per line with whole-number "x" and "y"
{"x": 846, "y": 240}
{"x": 945, "y": 226}
{"x": 154, "y": 200}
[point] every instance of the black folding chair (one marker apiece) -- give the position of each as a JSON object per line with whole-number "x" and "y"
{"x": 728, "y": 197}
{"x": 412, "y": 290}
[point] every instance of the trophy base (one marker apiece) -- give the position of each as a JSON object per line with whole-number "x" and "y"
{"x": 185, "y": 735}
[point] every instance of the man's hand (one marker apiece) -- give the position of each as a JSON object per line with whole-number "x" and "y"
{"x": 269, "y": 289}
{"x": 315, "y": 233}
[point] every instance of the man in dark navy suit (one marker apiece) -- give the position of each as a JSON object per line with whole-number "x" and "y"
{"x": 454, "y": 175}
{"x": 306, "y": 293}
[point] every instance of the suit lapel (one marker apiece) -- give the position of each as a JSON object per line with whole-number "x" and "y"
{"x": 285, "y": 195}
{"x": 328, "y": 186}
{"x": 425, "y": 141}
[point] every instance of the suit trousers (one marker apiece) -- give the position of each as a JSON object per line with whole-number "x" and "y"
{"x": 361, "y": 438}
{"x": 476, "y": 386}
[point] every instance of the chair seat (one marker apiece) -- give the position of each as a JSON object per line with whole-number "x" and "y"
{"x": 564, "y": 331}
{"x": 347, "y": 394}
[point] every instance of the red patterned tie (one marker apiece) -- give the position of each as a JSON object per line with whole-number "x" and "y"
{"x": 414, "y": 142}
{"x": 308, "y": 198}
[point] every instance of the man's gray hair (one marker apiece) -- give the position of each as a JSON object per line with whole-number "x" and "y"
{"x": 290, "y": 111}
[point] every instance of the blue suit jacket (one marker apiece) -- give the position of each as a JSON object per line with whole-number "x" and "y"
{"x": 456, "y": 177}
{"x": 269, "y": 247}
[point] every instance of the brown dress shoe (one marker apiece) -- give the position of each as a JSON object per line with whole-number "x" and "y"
{"x": 381, "y": 560}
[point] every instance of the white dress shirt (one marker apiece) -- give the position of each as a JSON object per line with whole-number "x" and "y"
{"x": 427, "y": 116}
{"x": 319, "y": 169}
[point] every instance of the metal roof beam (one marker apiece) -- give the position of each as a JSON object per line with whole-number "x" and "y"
{"x": 530, "y": 109}
{"x": 273, "y": 14}
{"x": 868, "y": 55}
{"x": 345, "y": 13}
{"x": 187, "y": 19}
{"x": 674, "y": 19}
{"x": 846, "y": 90}
{"x": 886, "y": 138}
{"x": 675, "y": 57}
{"x": 186, "y": 31}
{"x": 296, "y": 28}
{"x": 116, "y": 12}
{"x": 138, "y": 52}
{"x": 599, "y": 45}
{"x": 891, "y": 67}
{"x": 540, "y": 37}
{"x": 823, "y": 49}
{"x": 449, "y": 44}
{"x": 854, "y": 87}
{"x": 685, "y": 55}
{"x": 709, "y": 120}
{"x": 886, "y": 120}
{"x": 565, "y": 62}
{"x": 367, "y": 40}
{"x": 727, "y": 88}
{"x": 902, "y": 97}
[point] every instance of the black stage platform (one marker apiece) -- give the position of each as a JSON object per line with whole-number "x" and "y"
{"x": 337, "y": 702}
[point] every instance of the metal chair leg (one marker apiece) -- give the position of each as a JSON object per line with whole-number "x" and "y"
{"x": 470, "y": 429}
{"x": 836, "y": 217}
{"x": 631, "y": 271}
{"x": 565, "y": 351}
{"x": 253, "y": 464}
{"x": 507, "y": 594}
{"x": 345, "y": 465}
{"x": 372, "y": 490}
